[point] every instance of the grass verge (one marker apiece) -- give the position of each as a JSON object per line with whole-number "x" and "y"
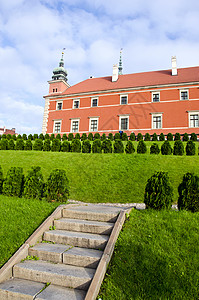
{"x": 156, "y": 257}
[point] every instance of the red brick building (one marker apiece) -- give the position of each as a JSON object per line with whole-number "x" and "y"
{"x": 160, "y": 101}
{"x": 7, "y": 131}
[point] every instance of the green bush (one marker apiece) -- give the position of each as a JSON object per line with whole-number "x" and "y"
{"x": 166, "y": 148}
{"x": 65, "y": 146}
{"x": 19, "y": 144}
{"x": 190, "y": 148}
{"x": 56, "y": 145}
{"x": 41, "y": 136}
{"x": 34, "y": 184}
{"x": 19, "y": 137}
{"x": 70, "y": 136}
{"x": 110, "y": 136}
{"x": 107, "y": 146}
{"x": 97, "y": 146}
{"x": 46, "y": 137}
{"x": 24, "y": 137}
{"x": 14, "y": 137}
{"x": 57, "y": 186}
{"x": 13, "y": 183}
{"x": 189, "y": 193}
{"x": 35, "y": 136}
{"x": 30, "y": 137}
{"x": 118, "y": 146}
{"x": 11, "y": 145}
{"x": 77, "y": 136}
{"x": 46, "y": 146}
{"x": 1, "y": 180}
{"x": 129, "y": 147}
{"x": 103, "y": 136}
{"x": 154, "y": 149}
{"x": 28, "y": 145}
{"x": 97, "y": 136}
{"x": 161, "y": 137}
{"x": 177, "y": 136}
{"x": 141, "y": 148}
{"x": 8, "y": 136}
{"x": 193, "y": 137}
{"x": 139, "y": 137}
{"x": 90, "y": 136}
{"x": 185, "y": 137}
{"x": 86, "y": 146}
{"x": 124, "y": 136}
{"x": 147, "y": 137}
{"x": 84, "y": 137}
{"x": 132, "y": 136}
{"x": 169, "y": 137}
{"x": 58, "y": 137}
{"x": 154, "y": 137}
{"x": 52, "y": 137}
{"x": 4, "y": 144}
{"x": 38, "y": 145}
{"x": 178, "y": 148}
{"x": 117, "y": 136}
{"x": 76, "y": 145}
{"x": 158, "y": 192}
{"x": 64, "y": 137}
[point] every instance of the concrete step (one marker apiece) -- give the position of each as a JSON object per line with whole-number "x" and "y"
{"x": 53, "y": 292}
{"x": 58, "y": 274}
{"x": 91, "y": 212}
{"x": 84, "y": 226}
{"x": 79, "y": 239}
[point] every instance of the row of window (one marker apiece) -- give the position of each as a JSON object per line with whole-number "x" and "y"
{"x": 124, "y": 122}
{"x": 184, "y": 95}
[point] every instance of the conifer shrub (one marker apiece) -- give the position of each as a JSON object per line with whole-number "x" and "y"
{"x": 189, "y": 193}
{"x": 35, "y": 136}
{"x": 19, "y": 144}
{"x": 14, "y": 137}
{"x": 90, "y": 136}
{"x": 193, "y": 137}
{"x": 107, "y": 146}
{"x": 58, "y": 136}
{"x": 24, "y": 137}
{"x": 8, "y": 136}
{"x": 84, "y": 137}
{"x": 132, "y": 136}
{"x": 158, "y": 192}
{"x": 97, "y": 146}
{"x": 177, "y": 136}
{"x": 4, "y": 136}
{"x": 141, "y": 148}
{"x": 147, "y": 137}
{"x": 13, "y": 182}
{"x": 178, "y": 148}
{"x": 154, "y": 137}
{"x": 46, "y": 136}
{"x": 169, "y": 136}
{"x": 47, "y": 146}
{"x": 103, "y": 136}
{"x": 166, "y": 148}
{"x": 86, "y": 146}
{"x": 118, "y": 146}
{"x": 28, "y": 145}
{"x": 117, "y": 136}
{"x": 41, "y": 136}
{"x": 64, "y": 137}
{"x": 1, "y": 180}
{"x": 161, "y": 137}
{"x": 124, "y": 136}
{"x": 110, "y": 136}
{"x": 4, "y": 144}
{"x": 129, "y": 147}
{"x": 38, "y": 145}
{"x": 139, "y": 137}
{"x": 65, "y": 146}
{"x": 52, "y": 137}
{"x": 34, "y": 184}
{"x": 77, "y": 136}
{"x": 56, "y": 145}
{"x": 76, "y": 146}
{"x": 97, "y": 136}
{"x": 57, "y": 186}
{"x": 190, "y": 148}
{"x": 30, "y": 137}
{"x": 11, "y": 145}
{"x": 154, "y": 149}
{"x": 70, "y": 136}
{"x": 18, "y": 137}
{"x": 185, "y": 137}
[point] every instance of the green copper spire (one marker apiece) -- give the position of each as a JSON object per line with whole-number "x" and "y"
{"x": 120, "y": 63}
{"x": 60, "y": 73}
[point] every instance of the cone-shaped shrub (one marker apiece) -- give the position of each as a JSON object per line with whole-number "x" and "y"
{"x": 169, "y": 137}
{"x": 65, "y": 146}
{"x": 19, "y": 144}
{"x": 18, "y": 137}
{"x": 56, "y": 145}
{"x": 190, "y": 148}
{"x": 47, "y": 146}
{"x": 154, "y": 149}
{"x": 178, "y": 148}
{"x": 64, "y": 137}
{"x": 24, "y": 137}
{"x": 34, "y": 184}
{"x": 38, "y": 145}
{"x": 147, "y": 137}
{"x": 41, "y": 136}
{"x": 11, "y": 145}
{"x": 77, "y": 136}
{"x": 118, "y": 146}
{"x": 8, "y": 136}
{"x": 76, "y": 145}
{"x": 154, "y": 137}
{"x": 185, "y": 137}
{"x": 86, "y": 146}
{"x": 14, "y": 137}
{"x": 103, "y": 137}
{"x": 35, "y": 136}
{"x": 28, "y": 145}
{"x": 13, "y": 183}
{"x": 52, "y": 137}
{"x": 110, "y": 136}
{"x": 117, "y": 136}
{"x": 97, "y": 146}
{"x": 129, "y": 147}
{"x": 4, "y": 144}
{"x": 70, "y": 136}
{"x": 84, "y": 137}
{"x": 139, "y": 137}
{"x": 141, "y": 148}
{"x": 47, "y": 137}
{"x": 1, "y": 180}
{"x": 57, "y": 186}
{"x": 193, "y": 137}
{"x": 97, "y": 136}
{"x": 30, "y": 137}
{"x": 58, "y": 136}
{"x": 166, "y": 148}
{"x": 161, "y": 137}
{"x": 90, "y": 136}
{"x": 177, "y": 137}
{"x": 158, "y": 191}
{"x": 107, "y": 146}
{"x": 189, "y": 193}
{"x": 124, "y": 136}
{"x": 132, "y": 136}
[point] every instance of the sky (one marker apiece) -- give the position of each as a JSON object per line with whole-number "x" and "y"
{"x": 33, "y": 34}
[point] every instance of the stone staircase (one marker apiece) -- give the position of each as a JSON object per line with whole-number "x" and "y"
{"x": 68, "y": 256}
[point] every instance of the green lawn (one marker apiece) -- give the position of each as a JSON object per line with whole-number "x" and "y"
{"x": 104, "y": 177}
{"x": 156, "y": 257}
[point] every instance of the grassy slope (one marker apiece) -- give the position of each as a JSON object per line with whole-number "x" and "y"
{"x": 156, "y": 257}
{"x": 104, "y": 177}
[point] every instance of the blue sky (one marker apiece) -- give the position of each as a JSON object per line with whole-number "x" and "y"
{"x": 33, "y": 33}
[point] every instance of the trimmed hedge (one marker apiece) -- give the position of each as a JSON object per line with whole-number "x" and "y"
{"x": 139, "y": 137}
{"x": 132, "y": 136}
{"x": 129, "y": 147}
{"x": 20, "y": 145}
{"x": 76, "y": 146}
{"x": 28, "y": 145}
{"x": 154, "y": 137}
{"x": 84, "y": 137}
{"x": 141, "y": 148}
{"x": 154, "y": 149}
{"x": 124, "y": 136}
{"x": 90, "y": 136}
{"x": 110, "y": 136}
{"x": 193, "y": 137}
{"x": 190, "y": 148}
{"x": 47, "y": 146}
{"x": 178, "y": 148}
{"x": 1, "y": 179}
{"x": 65, "y": 146}
{"x": 169, "y": 137}
{"x": 57, "y": 186}
{"x": 161, "y": 137}
{"x": 34, "y": 184}
{"x": 13, "y": 183}
{"x": 177, "y": 137}
{"x": 38, "y": 145}
{"x": 118, "y": 146}
{"x": 147, "y": 137}
{"x": 56, "y": 145}
{"x": 86, "y": 146}
{"x": 166, "y": 148}
{"x": 97, "y": 146}
{"x": 185, "y": 137}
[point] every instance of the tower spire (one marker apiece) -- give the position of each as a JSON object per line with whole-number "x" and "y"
{"x": 120, "y": 63}
{"x": 60, "y": 73}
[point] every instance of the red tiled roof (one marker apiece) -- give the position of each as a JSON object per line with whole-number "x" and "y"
{"x": 154, "y": 78}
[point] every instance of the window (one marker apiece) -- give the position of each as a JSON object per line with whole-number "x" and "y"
{"x": 156, "y": 97}
{"x": 57, "y": 127}
{"x": 75, "y": 103}
{"x": 124, "y": 123}
{"x": 123, "y": 99}
{"x": 75, "y": 125}
{"x": 93, "y": 126}
{"x": 184, "y": 95}
{"x": 59, "y": 105}
{"x": 94, "y": 102}
{"x": 54, "y": 90}
{"x": 194, "y": 119}
{"x": 156, "y": 121}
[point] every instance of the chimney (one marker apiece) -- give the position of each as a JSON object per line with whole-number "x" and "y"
{"x": 115, "y": 73}
{"x": 174, "y": 65}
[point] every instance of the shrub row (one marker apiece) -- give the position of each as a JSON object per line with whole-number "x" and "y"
{"x": 159, "y": 192}
{"x": 16, "y": 184}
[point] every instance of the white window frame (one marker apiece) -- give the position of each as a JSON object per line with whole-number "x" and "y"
{"x": 94, "y": 98}
{"x": 191, "y": 113}
{"x": 59, "y": 102}
{"x": 152, "y": 95}
{"x": 90, "y": 121}
{"x": 121, "y": 96}
{"x": 152, "y": 122}
{"x": 74, "y": 100}
{"x": 120, "y": 119}
{"x": 71, "y": 125}
{"x": 54, "y": 125}
{"x": 184, "y": 90}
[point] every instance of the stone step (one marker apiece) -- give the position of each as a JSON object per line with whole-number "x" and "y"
{"x": 91, "y": 212}
{"x": 78, "y": 239}
{"x": 84, "y": 226}
{"x": 58, "y": 274}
